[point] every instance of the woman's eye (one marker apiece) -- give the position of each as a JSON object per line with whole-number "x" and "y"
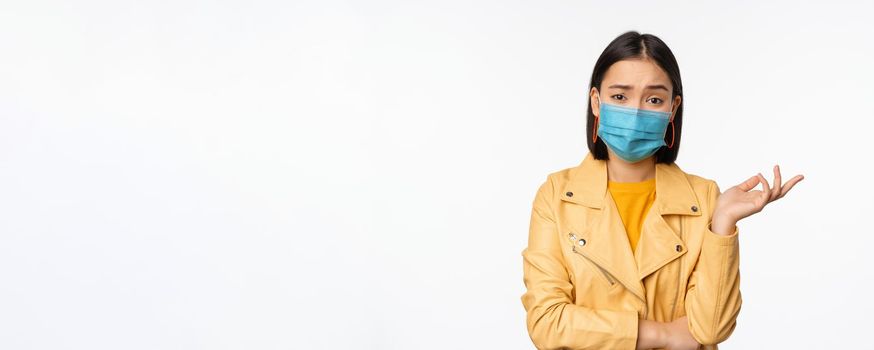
{"x": 618, "y": 97}
{"x": 655, "y": 100}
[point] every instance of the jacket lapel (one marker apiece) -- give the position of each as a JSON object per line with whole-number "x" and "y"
{"x": 607, "y": 242}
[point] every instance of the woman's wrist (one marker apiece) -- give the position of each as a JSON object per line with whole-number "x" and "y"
{"x": 722, "y": 225}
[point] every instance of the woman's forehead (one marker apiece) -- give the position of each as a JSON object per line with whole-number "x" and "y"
{"x": 635, "y": 73}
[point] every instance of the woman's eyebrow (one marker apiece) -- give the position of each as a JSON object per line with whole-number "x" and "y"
{"x": 658, "y": 87}
{"x": 650, "y": 87}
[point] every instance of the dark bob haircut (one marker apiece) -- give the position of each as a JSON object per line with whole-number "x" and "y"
{"x": 633, "y": 45}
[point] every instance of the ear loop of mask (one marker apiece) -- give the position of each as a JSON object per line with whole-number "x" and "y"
{"x": 672, "y": 125}
{"x": 595, "y": 128}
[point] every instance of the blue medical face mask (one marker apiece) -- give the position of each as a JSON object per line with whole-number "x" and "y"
{"x": 632, "y": 134}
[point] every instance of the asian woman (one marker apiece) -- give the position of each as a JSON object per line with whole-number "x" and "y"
{"x": 626, "y": 250}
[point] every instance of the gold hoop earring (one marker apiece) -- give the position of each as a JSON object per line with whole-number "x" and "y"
{"x": 672, "y": 135}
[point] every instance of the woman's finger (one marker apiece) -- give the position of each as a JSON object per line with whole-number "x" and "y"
{"x": 791, "y": 183}
{"x": 749, "y": 184}
{"x": 766, "y": 190}
{"x": 778, "y": 184}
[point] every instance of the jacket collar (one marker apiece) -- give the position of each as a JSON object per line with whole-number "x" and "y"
{"x": 674, "y": 194}
{"x": 607, "y": 243}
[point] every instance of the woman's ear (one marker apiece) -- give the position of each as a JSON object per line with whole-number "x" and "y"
{"x": 595, "y": 100}
{"x": 677, "y": 100}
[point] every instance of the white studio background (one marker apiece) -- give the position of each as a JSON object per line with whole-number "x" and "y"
{"x": 359, "y": 175}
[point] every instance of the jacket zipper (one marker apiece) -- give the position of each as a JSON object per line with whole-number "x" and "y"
{"x": 610, "y": 279}
{"x": 603, "y": 272}
{"x": 680, "y": 288}
{"x": 645, "y": 310}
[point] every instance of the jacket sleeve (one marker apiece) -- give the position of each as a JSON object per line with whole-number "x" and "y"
{"x": 553, "y": 320}
{"x": 713, "y": 298}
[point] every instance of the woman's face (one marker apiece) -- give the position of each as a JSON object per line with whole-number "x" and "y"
{"x": 636, "y": 83}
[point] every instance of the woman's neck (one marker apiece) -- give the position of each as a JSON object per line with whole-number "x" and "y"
{"x": 619, "y": 170}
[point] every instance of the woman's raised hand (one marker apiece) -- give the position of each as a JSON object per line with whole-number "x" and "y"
{"x": 739, "y": 202}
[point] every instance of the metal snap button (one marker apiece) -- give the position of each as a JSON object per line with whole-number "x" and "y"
{"x": 694, "y": 208}
{"x": 582, "y": 242}
{"x": 569, "y": 194}
{"x": 679, "y": 248}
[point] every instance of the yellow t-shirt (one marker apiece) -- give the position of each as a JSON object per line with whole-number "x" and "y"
{"x": 633, "y": 200}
